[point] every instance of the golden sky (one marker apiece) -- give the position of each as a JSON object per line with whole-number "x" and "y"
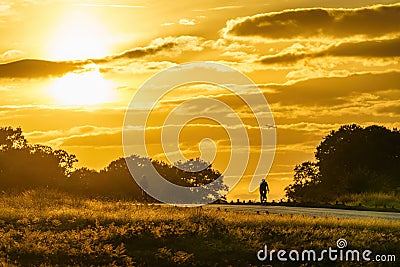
{"x": 68, "y": 70}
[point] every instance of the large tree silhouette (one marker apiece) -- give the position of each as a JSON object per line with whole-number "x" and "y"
{"x": 352, "y": 159}
{"x": 116, "y": 180}
{"x": 24, "y": 166}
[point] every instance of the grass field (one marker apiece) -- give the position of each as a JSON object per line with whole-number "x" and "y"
{"x": 372, "y": 200}
{"x": 50, "y": 228}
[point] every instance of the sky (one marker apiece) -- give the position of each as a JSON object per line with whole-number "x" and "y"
{"x": 69, "y": 69}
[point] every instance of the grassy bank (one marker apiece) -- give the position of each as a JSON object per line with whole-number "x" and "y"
{"x": 372, "y": 200}
{"x": 55, "y": 229}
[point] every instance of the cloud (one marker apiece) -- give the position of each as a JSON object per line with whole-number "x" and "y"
{"x": 359, "y": 97}
{"x": 167, "y": 46}
{"x": 316, "y": 23}
{"x": 393, "y": 109}
{"x": 383, "y": 48}
{"x": 49, "y": 118}
{"x": 170, "y": 45}
{"x": 110, "y": 5}
{"x": 5, "y": 9}
{"x": 224, "y": 7}
{"x": 332, "y": 90}
{"x": 166, "y": 24}
{"x": 189, "y": 22}
{"x": 352, "y": 98}
{"x": 99, "y": 136}
{"x": 30, "y": 68}
{"x": 84, "y": 130}
{"x": 93, "y": 140}
{"x": 11, "y": 55}
{"x": 368, "y": 49}
{"x": 218, "y": 8}
{"x": 138, "y": 66}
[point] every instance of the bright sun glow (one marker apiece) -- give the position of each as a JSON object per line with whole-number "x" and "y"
{"x": 81, "y": 89}
{"x": 79, "y": 35}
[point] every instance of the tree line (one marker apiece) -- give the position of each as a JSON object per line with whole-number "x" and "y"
{"x": 349, "y": 160}
{"x": 25, "y": 166}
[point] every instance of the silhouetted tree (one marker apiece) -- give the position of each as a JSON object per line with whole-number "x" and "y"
{"x": 189, "y": 172}
{"x": 81, "y": 181}
{"x": 354, "y": 160}
{"x": 25, "y": 166}
{"x": 306, "y": 180}
{"x": 11, "y": 138}
{"x": 116, "y": 181}
{"x": 197, "y": 172}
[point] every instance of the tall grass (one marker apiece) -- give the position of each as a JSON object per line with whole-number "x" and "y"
{"x": 52, "y": 228}
{"x": 372, "y": 200}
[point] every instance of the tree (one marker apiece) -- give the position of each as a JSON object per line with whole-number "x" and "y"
{"x": 197, "y": 172}
{"x": 116, "y": 180}
{"x": 354, "y": 159}
{"x": 23, "y": 165}
{"x": 306, "y": 182}
{"x": 11, "y": 138}
{"x": 81, "y": 181}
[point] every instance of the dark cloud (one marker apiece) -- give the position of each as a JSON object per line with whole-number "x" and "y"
{"x": 367, "y": 49}
{"x": 168, "y": 44}
{"x": 285, "y": 58}
{"x": 334, "y": 90}
{"x": 30, "y": 68}
{"x": 138, "y": 52}
{"x": 141, "y": 52}
{"x": 384, "y": 48}
{"x": 309, "y": 23}
{"x": 393, "y": 109}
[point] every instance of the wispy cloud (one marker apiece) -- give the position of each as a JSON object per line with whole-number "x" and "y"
{"x": 109, "y": 5}
{"x": 165, "y": 24}
{"x": 11, "y": 55}
{"x": 4, "y": 7}
{"x": 218, "y": 8}
{"x": 224, "y": 7}
{"x": 189, "y": 22}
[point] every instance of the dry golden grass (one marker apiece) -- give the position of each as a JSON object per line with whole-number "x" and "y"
{"x": 372, "y": 200}
{"x": 50, "y": 228}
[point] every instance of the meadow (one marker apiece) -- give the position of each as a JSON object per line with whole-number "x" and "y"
{"x": 49, "y": 228}
{"x": 372, "y": 200}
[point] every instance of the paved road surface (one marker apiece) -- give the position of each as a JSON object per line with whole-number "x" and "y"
{"x": 317, "y": 212}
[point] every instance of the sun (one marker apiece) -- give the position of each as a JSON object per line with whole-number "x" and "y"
{"x": 82, "y": 89}
{"x": 78, "y": 35}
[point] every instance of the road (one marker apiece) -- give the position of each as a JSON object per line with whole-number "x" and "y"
{"x": 317, "y": 212}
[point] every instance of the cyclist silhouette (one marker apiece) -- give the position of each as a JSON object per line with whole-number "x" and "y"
{"x": 264, "y": 189}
